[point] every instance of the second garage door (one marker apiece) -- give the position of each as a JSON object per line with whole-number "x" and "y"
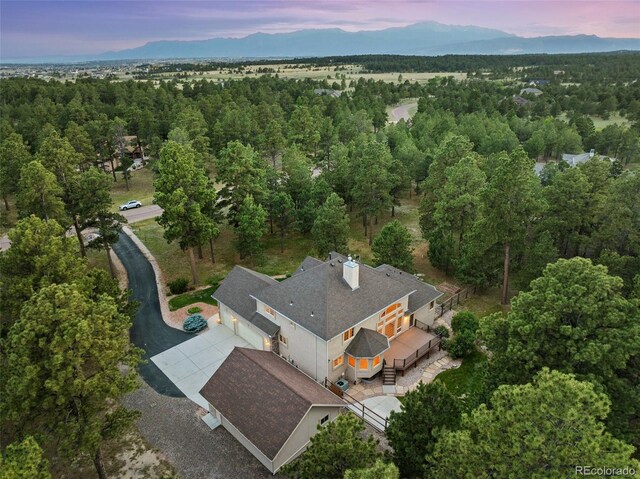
{"x": 249, "y": 335}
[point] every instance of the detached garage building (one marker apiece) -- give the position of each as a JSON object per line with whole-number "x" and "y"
{"x": 272, "y": 408}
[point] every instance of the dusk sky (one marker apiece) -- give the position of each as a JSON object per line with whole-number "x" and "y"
{"x": 60, "y": 27}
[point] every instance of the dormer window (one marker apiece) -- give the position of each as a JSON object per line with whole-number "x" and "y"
{"x": 347, "y": 335}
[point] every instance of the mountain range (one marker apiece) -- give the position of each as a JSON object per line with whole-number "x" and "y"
{"x": 428, "y": 38}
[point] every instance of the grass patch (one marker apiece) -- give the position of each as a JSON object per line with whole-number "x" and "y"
{"x": 200, "y": 296}
{"x": 465, "y": 382}
{"x": 484, "y": 303}
{"x": 140, "y": 188}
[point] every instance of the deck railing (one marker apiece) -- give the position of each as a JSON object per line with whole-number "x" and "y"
{"x": 358, "y": 408}
{"x": 425, "y": 350}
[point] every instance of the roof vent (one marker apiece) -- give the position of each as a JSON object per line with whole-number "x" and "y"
{"x": 312, "y": 314}
{"x": 290, "y": 303}
{"x": 332, "y": 264}
{"x": 339, "y": 260}
{"x": 387, "y": 274}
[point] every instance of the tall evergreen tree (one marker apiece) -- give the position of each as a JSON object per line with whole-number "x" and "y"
{"x": 331, "y": 227}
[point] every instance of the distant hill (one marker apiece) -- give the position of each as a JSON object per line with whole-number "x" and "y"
{"x": 429, "y": 38}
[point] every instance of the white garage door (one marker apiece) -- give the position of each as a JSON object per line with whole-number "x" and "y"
{"x": 226, "y": 319}
{"x": 249, "y": 335}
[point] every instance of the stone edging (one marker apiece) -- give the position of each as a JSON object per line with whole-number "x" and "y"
{"x": 162, "y": 297}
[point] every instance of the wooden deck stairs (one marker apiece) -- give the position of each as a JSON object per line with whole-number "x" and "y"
{"x": 389, "y": 376}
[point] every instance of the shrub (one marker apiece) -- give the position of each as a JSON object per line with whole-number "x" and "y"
{"x": 194, "y": 310}
{"x": 464, "y": 321}
{"x": 194, "y": 323}
{"x": 461, "y": 345}
{"x": 178, "y": 286}
{"x": 441, "y": 331}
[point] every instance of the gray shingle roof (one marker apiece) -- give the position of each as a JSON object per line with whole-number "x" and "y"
{"x": 320, "y": 301}
{"x": 308, "y": 263}
{"x": 236, "y": 290}
{"x": 367, "y": 344}
{"x": 264, "y": 397}
{"x": 424, "y": 292}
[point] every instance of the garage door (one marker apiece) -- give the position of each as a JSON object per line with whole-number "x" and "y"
{"x": 226, "y": 319}
{"x": 249, "y": 335}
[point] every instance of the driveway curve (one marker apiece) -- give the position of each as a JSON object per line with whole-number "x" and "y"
{"x": 149, "y": 331}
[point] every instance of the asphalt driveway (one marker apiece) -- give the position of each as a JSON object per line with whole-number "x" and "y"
{"x": 149, "y": 331}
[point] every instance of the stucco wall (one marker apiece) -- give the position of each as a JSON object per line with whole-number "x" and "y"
{"x": 426, "y": 314}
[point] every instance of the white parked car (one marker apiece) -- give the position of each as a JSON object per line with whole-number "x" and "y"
{"x": 130, "y": 204}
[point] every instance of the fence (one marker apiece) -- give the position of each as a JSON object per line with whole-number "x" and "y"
{"x": 356, "y": 407}
{"x": 456, "y": 299}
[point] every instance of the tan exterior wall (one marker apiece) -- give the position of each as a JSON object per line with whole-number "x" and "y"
{"x": 308, "y": 351}
{"x": 299, "y": 440}
{"x": 227, "y": 315}
{"x": 425, "y": 314}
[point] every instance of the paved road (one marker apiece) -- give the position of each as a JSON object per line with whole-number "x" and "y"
{"x": 149, "y": 331}
{"x": 142, "y": 213}
{"x": 402, "y": 112}
{"x": 133, "y": 216}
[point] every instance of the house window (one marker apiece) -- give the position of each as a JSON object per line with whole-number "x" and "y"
{"x": 392, "y": 307}
{"x": 431, "y": 304}
{"x": 337, "y": 361}
{"x": 348, "y": 334}
{"x": 324, "y": 419}
{"x": 363, "y": 364}
{"x": 269, "y": 311}
{"x": 399, "y": 324}
{"x": 376, "y": 361}
{"x": 352, "y": 361}
{"x": 282, "y": 339}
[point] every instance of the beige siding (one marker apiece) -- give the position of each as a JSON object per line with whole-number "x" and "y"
{"x": 426, "y": 314}
{"x": 299, "y": 440}
{"x": 308, "y": 351}
{"x": 253, "y": 335}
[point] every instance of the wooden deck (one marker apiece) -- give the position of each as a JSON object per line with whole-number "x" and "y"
{"x": 410, "y": 346}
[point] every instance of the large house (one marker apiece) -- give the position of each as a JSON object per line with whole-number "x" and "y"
{"x": 332, "y": 319}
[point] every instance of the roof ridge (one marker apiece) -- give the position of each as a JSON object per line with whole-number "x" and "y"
{"x": 262, "y": 366}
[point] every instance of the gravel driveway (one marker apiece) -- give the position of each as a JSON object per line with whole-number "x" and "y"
{"x": 173, "y": 425}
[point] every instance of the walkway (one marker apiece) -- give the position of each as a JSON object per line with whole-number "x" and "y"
{"x": 149, "y": 331}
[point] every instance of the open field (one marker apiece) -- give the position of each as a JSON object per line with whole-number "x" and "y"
{"x": 295, "y": 72}
{"x": 600, "y": 123}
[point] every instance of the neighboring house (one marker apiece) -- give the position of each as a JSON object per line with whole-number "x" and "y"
{"x": 531, "y": 91}
{"x": 518, "y": 100}
{"x": 269, "y": 406}
{"x": 538, "y": 82}
{"x": 327, "y": 92}
{"x": 574, "y": 160}
{"x": 332, "y": 319}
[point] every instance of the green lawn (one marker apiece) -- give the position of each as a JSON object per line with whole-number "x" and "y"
{"x": 484, "y": 303}
{"x": 465, "y": 382}
{"x": 200, "y": 296}
{"x": 140, "y": 188}
{"x": 601, "y": 123}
